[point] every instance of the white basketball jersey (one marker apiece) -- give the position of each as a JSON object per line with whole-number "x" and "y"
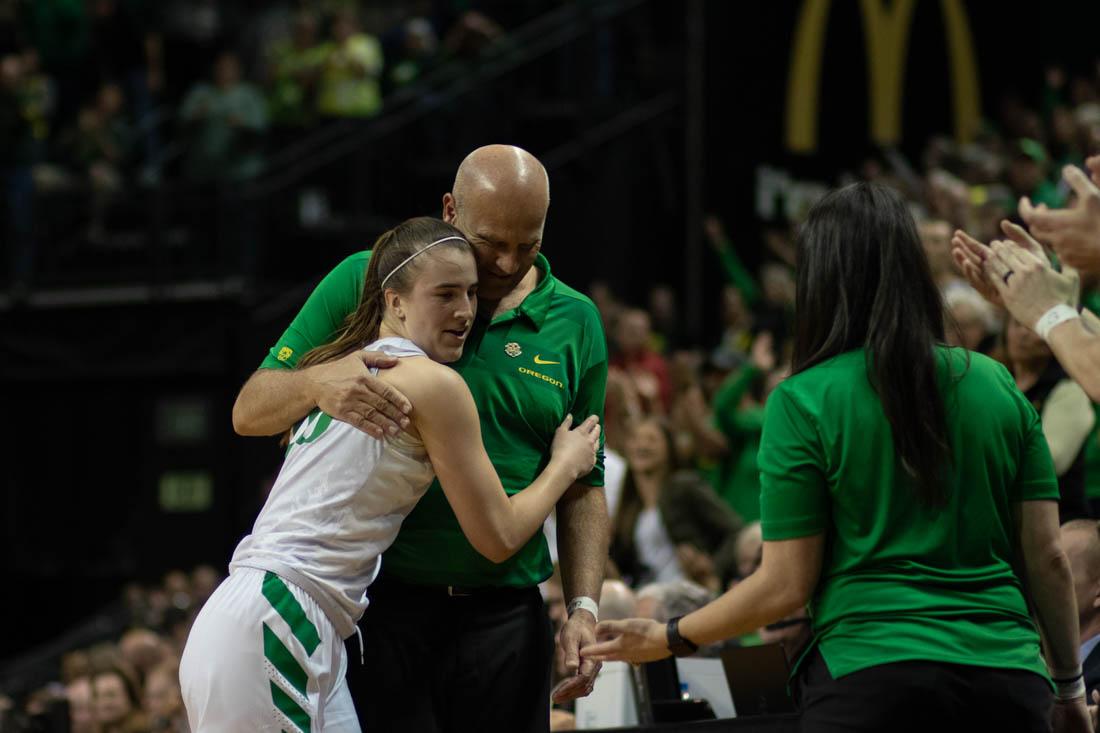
{"x": 337, "y": 504}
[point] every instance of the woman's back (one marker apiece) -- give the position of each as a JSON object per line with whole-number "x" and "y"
{"x": 902, "y": 580}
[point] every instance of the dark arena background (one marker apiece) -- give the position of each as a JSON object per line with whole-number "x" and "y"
{"x": 148, "y": 264}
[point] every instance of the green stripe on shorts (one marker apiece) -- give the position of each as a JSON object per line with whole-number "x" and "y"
{"x": 290, "y": 709}
{"x": 279, "y": 656}
{"x": 287, "y": 606}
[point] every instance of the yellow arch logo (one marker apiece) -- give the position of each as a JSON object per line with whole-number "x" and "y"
{"x": 886, "y": 33}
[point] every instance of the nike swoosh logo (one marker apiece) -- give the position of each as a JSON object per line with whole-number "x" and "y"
{"x": 540, "y": 360}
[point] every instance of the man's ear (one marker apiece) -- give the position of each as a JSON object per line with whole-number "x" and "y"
{"x": 450, "y": 209}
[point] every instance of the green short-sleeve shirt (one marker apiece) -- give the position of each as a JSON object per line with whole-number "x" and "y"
{"x": 901, "y": 581}
{"x": 527, "y": 370}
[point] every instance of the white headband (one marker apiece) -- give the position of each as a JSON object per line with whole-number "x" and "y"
{"x": 414, "y": 254}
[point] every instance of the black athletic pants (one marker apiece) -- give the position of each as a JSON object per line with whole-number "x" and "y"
{"x": 437, "y": 662}
{"x": 922, "y": 697}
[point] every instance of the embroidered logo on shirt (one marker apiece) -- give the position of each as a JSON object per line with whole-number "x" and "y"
{"x": 512, "y": 349}
{"x": 543, "y": 377}
{"x": 540, "y": 360}
{"x": 285, "y": 353}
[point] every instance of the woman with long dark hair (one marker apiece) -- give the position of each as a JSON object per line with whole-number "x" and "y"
{"x": 670, "y": 524}
{"x": 267, "y": 650}
{"x": 907, "y": 495}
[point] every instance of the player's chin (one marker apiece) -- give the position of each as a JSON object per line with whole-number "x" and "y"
{"x": 448, "y": 352}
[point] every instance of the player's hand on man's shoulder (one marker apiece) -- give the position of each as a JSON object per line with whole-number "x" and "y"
{"x": 346, "y": 389}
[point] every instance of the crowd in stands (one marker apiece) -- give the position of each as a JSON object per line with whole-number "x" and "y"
{"x": 683, "y": 423}
{"x": 104, "y": 96}
{"x": 127, "y": 680}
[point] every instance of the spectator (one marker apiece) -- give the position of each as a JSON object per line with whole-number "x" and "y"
{"x": 177, "y": 585}
{"x": 730, "y": 433}
{"x": 60, "y": 32}
{"x": 662, "y": 601}
{"x": 163, "y": 701}
{"x": 416, "y": 50}
{"x": 735, "y": 271}
{"x": 294, "y": 67}
{"x": 82, "y": 717}
{"x": 117, "y": 700}
{"x": 127, "y": 47}
{"x": 204, "y": 581}
{"x": 606, "y": 302}
{"x": 974, "y": 320}
{"x": 1081, "y": 541}
{"x": 616, "y": 600}
{"x": 103, "y": 138}
{"x": 670, "y": 524}
{"x": 350, "y": 72}
{"x": 75, "y": 665}
{"x": 1065, "y": 410}
{"x": 623, "y": 407}
{"x": 775, "y": 311}
{"x": 1066, "y": 138}
{"x": 471, "y": 34}
{"x": 935, "y": 235}
{"x": 737, "y": 327}
{"x": 38, "y": 97}
{"x": 666, "y": 319}
{"x": 1027, "y": 174}
{"x": 142, "y": 650}
{"x": 639, "y": 363}
{"x": 224, "y": 123}
{"x": 100, "y": 148}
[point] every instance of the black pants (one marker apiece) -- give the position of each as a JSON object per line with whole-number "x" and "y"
{"x": 437, "y": 663}
{"x": 922, "y": 697}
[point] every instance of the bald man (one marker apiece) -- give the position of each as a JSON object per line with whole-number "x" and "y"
{"x": 1081, "y": 542}
{"x": 453, "y": 641}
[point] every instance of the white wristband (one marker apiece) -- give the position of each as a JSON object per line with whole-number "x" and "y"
{"x": 587, "y": 604}
{"x": 1056, "y": 316}
{"x": 1070, "y": 690}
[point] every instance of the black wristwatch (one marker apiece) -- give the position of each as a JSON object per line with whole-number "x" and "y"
{"x": 678, "y": 645}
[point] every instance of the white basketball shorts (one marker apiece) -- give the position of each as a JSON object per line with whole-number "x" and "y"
{"x": 262, "y": 656}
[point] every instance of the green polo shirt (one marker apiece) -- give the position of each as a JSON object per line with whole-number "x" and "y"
{"x": 902, "y": 581}
{"x": 527, "y": 369}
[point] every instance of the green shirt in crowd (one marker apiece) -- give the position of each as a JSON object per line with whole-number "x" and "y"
{"x": 527, "y": 369}
{"x": 736, "y": 477}
{"x": 900, "y": 580}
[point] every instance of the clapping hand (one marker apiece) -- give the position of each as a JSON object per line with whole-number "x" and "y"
{"x": 1073, "y": 233}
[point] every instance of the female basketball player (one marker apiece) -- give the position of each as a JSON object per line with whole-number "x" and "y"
{"x": 267, "y": 650}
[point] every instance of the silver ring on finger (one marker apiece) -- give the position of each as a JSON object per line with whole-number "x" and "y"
{"x": 1007, "y": 275}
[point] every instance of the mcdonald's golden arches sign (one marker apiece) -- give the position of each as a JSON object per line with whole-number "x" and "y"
{"x": 886, "y": 27}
